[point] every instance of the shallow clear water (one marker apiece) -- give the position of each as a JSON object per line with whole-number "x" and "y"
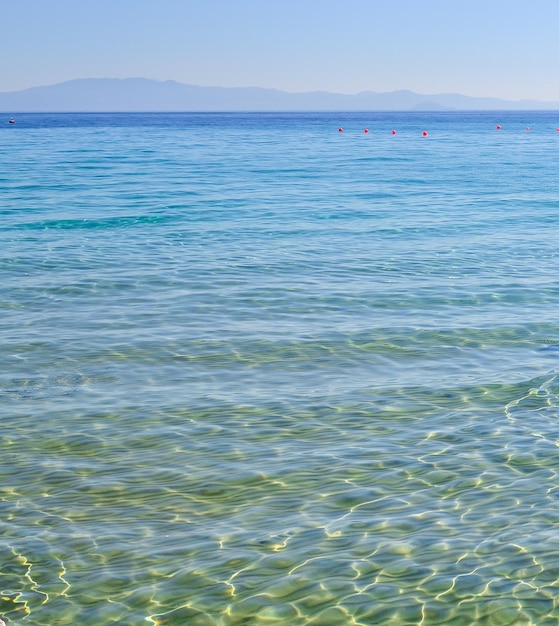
{"x": 255, "y": 371}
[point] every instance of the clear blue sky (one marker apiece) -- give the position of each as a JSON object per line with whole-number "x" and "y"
{"x": 502, "y": 48}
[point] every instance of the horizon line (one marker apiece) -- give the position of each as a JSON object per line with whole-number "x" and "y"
{"x": 313, "y": 91}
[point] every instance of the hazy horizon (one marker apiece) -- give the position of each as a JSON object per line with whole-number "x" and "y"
{"x": 255, "y": 87}
{"x": 143, "y": 94}
{"x": 499, "y": 49}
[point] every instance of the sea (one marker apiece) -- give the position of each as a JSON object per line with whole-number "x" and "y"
{"x": 269, "y": 369}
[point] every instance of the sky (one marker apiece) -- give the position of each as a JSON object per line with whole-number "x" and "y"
{"x": 500, "y": 48}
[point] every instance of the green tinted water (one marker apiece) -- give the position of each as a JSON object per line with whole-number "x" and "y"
{"x": 257, "y": 382}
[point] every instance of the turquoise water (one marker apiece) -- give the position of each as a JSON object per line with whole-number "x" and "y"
{"x": 258, "y": 372}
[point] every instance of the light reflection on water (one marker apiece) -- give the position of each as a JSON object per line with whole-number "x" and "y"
{"x": 252, "y": 381}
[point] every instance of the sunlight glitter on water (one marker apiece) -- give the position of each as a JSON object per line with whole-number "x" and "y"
{"x": 252, "y": 381}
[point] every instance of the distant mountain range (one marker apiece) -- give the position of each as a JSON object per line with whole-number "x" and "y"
{"x": 142, "y": 94}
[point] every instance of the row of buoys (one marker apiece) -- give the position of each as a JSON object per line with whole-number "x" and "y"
{"x": 366, "y": 130}
{"x": 341, "y": 130}
{"x": 425, "y": 133}
{"x": 498, "y": 127}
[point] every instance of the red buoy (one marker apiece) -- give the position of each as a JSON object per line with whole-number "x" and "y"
{"x": 498, "y": 127}
{"x": 425, "y": 133}
{"x": 366, "y": 130}
{"x": 527, "y": 128}
{"x": 393, "y": 132}
{"x": 340, "y": 130}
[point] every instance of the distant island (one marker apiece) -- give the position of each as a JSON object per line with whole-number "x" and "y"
{"x": 143, "y": 94}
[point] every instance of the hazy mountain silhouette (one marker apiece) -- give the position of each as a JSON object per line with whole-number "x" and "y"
{"x": 142, "y": 94}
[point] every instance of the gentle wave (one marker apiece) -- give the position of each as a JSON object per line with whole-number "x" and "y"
{"x": 257, "y": 371}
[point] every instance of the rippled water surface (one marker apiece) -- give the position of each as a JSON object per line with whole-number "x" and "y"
{"x": 259, "y": 372}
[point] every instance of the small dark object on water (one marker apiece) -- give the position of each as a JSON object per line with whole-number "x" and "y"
{"x": 12, "y": 121}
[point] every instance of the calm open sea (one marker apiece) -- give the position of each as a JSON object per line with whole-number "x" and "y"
{"x": 259, "y": 372}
